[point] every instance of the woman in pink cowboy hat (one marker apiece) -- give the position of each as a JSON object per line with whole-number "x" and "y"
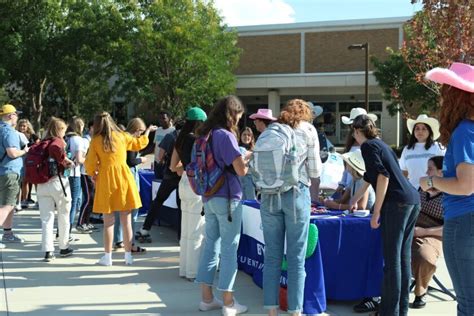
{"x": 422, "y": 145}
{"x": 262, "y": 119}
{"x": 457, "y": 132}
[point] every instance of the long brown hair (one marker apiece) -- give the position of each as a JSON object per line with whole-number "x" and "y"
{"x": 295, "y": 111}
{"x": 104, "y": 126}
{"x": 366, "y": 126}
{"x": 223, "y": 115}
{"x": 53, "y": 127}
{"x": 250, "y": 145}
{"x": 76, "y": 126}
{"x": 456, "y": 105}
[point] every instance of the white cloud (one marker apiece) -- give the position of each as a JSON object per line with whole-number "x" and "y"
{"x": 255, "y": 12}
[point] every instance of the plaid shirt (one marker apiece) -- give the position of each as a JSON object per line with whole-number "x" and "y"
{"x": 311, "y": 166}
{"x": 431, "y": 213}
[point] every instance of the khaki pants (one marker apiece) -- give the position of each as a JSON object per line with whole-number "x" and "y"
{"x": 425, "y": 253}
{"x": 51, "y": 197}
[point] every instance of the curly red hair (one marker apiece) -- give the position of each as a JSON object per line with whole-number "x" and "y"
{"x": 295, "y": 111}
{"x": 456, "y": 105}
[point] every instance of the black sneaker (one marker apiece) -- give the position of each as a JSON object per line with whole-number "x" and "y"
{"x": 419, "y": 302}
{"x": 368, "y": 304}
{"x": 92, "y": 228}
{"x": 66, "y": 252}
{"x": 49, "y": 256}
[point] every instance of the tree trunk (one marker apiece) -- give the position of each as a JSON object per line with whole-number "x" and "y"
{"x": 37, "y": 102}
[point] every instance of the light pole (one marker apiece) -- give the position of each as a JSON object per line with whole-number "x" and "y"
{"x": 366, "y": 48}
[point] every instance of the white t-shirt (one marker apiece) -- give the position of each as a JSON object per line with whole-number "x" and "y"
{"x": 76, "y": 144}
{"x": 159, "y": 135}
{"x": 86, "y": 141}
{"x": 415, "y": 161}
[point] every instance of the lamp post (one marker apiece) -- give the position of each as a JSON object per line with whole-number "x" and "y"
{"x": 365, "y": 47}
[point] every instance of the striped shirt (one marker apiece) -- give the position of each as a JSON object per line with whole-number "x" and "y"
{"x": 307, "y": 137}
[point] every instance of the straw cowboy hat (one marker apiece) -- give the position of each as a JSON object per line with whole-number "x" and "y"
{"x": 430, "y": 121}
{"x": 263, "y": 114}
{"x": 459, "y": 75}
{"x": 355, "y": 112}
{"x": 316, "y": 109}
{"x": 355, "y": 160}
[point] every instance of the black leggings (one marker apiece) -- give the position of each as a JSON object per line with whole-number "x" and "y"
{"x": 167, "y": 186}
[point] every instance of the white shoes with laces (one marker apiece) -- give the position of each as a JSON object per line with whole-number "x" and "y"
{"x": 235, "y": 309}
{"x": 214, "y": 304}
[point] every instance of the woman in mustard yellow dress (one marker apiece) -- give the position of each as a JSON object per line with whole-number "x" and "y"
{"x": 115, "y": 188}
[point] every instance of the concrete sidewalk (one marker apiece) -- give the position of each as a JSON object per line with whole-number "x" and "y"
{"x": 150, "y": 287}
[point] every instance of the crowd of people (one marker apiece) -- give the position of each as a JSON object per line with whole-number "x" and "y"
{"x": 423, "y": 202}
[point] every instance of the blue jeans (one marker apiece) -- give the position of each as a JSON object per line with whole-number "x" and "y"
{"x": 76, "y": 197}
{"x": 118, "y": 235}
{"x": 397, "y": 222}
{"x": 220, "y": 237}
{"x": 458, "y": 247}
{"x": 292, "y": 219}
{"x": 248, "y": 188}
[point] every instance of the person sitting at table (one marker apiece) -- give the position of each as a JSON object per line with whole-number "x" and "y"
{"x": 292, "y": 218}
{"x": 192, "y": 223}
{"x": 396, "y": 209}
{"x": 427, "y": 241}
{"x": 356, "y": 168}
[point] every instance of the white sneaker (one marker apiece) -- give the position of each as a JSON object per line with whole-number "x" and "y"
{"x": 235, "y": 309}
{"x": 2, "y": 246}
{"x": 215, "y": 304}
{"x": 128, "y": 258}
{"x": 105, "y": 261}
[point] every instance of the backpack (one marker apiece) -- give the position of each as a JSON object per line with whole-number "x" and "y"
{"x": 204, "y": 175}
{"x": 36, "y": 163}
{"x": 276, "y": 160}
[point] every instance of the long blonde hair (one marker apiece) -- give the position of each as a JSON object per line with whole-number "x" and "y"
{"x": 53, "y": 127}
{"x": 76, "y": 126}
{"x": 134, "y": 125}
{"x": 29, "y": 127}
{"x": 104, "y": 126}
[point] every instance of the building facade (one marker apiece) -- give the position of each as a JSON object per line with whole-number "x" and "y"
{"x": 312, "y": 61}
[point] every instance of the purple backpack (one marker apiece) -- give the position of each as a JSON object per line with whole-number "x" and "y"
{"x": 205, "y": 176}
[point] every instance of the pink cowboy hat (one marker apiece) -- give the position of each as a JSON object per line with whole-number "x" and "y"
{"x": 459, "y": 75}
{"x": 263, "y": 114}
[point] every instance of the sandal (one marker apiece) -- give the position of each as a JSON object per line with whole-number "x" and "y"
{"x": 138, "y": 250}
{"x": 119, "y": 246}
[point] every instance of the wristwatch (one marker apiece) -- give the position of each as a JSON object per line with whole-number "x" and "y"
{"x": 429, "y": 182}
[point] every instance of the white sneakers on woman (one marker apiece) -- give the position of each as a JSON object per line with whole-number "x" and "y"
{"x": 235, "y": 309}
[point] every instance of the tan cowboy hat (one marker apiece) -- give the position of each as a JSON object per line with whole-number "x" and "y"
{"x": 355, "y": 160}
{"x": 355, "y": 112}
{"x": 430, "y": 121}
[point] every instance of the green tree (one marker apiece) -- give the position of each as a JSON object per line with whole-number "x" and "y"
{"x": 400, "y": 87}
{"x": 180, "y": 55}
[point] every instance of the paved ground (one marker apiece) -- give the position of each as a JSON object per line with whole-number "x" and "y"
{"x": 150, "y": 287}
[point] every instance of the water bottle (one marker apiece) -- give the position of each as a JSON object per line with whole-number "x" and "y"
{"x": 52, "y": 167}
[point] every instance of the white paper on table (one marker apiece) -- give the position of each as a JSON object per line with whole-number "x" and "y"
{"x": 324, "y": 216}
{"x": 170, "y": 202}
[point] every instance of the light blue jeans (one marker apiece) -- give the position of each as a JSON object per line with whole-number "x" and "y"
{"x": 222, "y": 238}
{"x": 118, "y": 234}
{"x": 292, "y": 219}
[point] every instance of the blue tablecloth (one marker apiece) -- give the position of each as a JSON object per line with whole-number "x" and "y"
{"x": 346, "y": 265}
{"x": 146, "y": 178}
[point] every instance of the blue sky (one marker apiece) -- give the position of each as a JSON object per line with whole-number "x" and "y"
{"x": 254, "y": 12}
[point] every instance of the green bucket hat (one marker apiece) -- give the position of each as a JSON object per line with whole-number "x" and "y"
{"x": 196, "y": 114}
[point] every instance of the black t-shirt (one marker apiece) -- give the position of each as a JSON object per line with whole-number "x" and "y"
{"x": 379, "y": 158}
{"x": 168, "y": 144}
{"x": 186, "y": 149}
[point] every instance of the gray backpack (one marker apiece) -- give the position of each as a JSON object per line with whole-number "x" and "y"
{"x": 276, "y": 160}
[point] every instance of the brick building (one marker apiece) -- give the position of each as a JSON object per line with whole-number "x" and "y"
{"x": 312, "y": 61}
